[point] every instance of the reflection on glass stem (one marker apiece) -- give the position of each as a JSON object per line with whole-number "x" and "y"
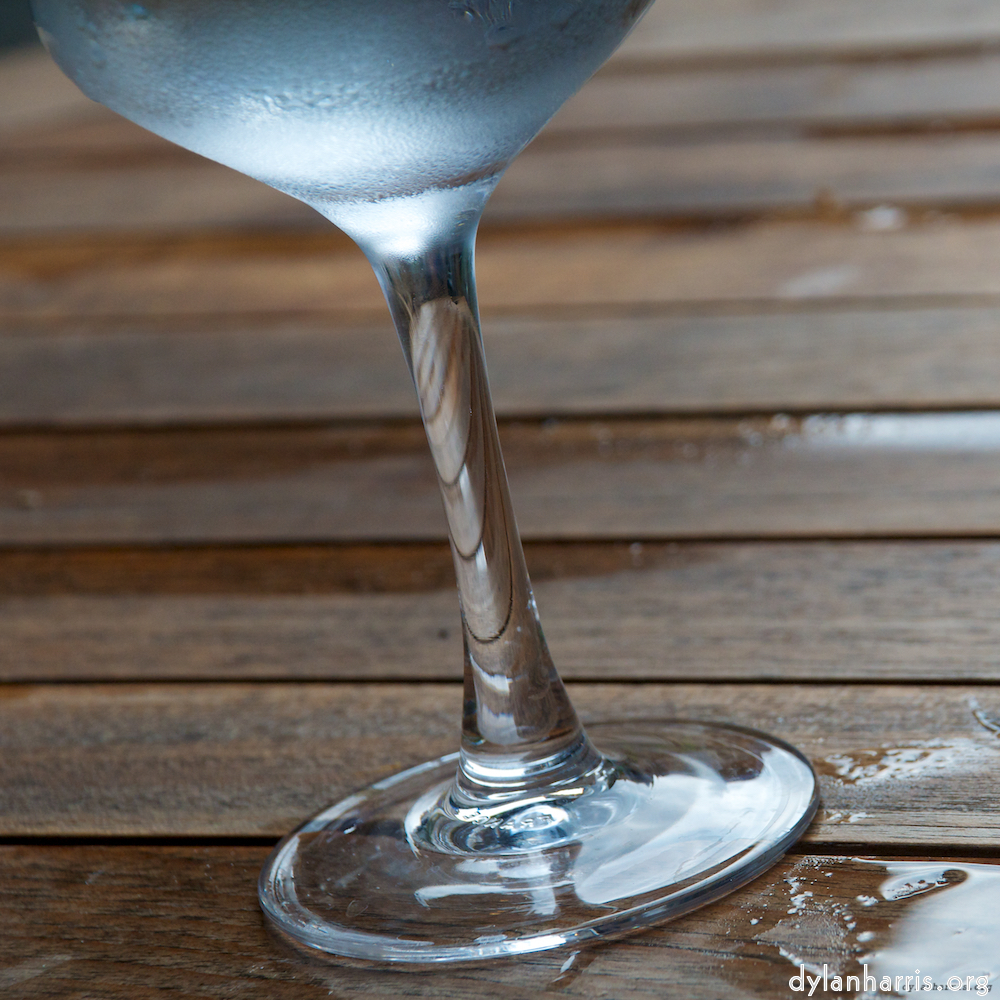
{"x": 520, "y": 731}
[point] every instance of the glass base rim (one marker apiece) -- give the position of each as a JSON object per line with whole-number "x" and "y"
{"x": 311, "y": 929}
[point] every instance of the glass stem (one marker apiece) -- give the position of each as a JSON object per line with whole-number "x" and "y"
{"x": 519, "y": 729}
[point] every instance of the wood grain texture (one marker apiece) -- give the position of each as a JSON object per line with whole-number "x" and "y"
{"x": 743, "y": 29}
{"x": 186, "y": 920}
{"x": 853, "y": 475}
{"x": 694, "y": 612}
{"x": 196, "y": 371}
{"x": 415, "y": 567}
{"x": 90, "y": 137}
{"x": 878, "y": 95}
{"x": 171, "y": 196}
{"x": 636, "y": 266}
{"x": 897, "y": 764}
{"x": 719, "y": 176}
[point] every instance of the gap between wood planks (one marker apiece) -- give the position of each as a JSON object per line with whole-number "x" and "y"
{"x": 800, "y": 850}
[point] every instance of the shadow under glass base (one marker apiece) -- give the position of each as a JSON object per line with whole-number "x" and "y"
{"x": 683, "y": 814}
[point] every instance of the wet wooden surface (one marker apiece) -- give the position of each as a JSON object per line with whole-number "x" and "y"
{"x": 186, "y": 915}
{"x": 742, "y": 310}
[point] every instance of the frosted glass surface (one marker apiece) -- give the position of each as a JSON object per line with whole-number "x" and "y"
{"x": 338, "y": 98}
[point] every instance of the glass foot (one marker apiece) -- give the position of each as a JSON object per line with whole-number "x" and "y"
{"x": 677, "y": 815}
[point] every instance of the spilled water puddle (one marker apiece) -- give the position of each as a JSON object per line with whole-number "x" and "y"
{"x": 894, "y": 763}
{"x": 950, "y": 931}
{"x": 863, "y": 785}
{"x": 973, "y": 431}
{"x": 853, "y": 927}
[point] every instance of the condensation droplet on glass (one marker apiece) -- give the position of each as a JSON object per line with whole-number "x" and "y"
{"x": 563, "y": 14}
{"x": 95, "y": 53}
{"x": 502, "y": 36}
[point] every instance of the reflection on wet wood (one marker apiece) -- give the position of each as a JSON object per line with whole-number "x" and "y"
{"x": 854, "y": 475}
{"x": 187, "y": 919}
{"x": 897, "y": 764}
{"x": 813, "y": 612}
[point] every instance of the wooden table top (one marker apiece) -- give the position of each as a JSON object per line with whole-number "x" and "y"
{"x": 742, "y": 315}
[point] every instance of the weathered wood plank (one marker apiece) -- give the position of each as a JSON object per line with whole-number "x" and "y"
{"x": 185, "y": 371}
{"x": 415, "y": 567}
{"x": 721, "y": 29}
{"x": 196, "y": 371}
{"x": 719, "y": 177}
{"x": 897, "y": 765}
{"x": 162, "y": 197}
{"x": 636, "y": 266}
{"x": 714, "y": 178}
{"x": 654, "y": 612}
{"x": 875, "y": 95}
{"x": 89, "y": 134}
{"x": 186, "y": 919}
{"x": 875, "y": 475}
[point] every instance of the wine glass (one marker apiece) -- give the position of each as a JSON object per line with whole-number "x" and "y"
{"x": 395, "y": 120}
